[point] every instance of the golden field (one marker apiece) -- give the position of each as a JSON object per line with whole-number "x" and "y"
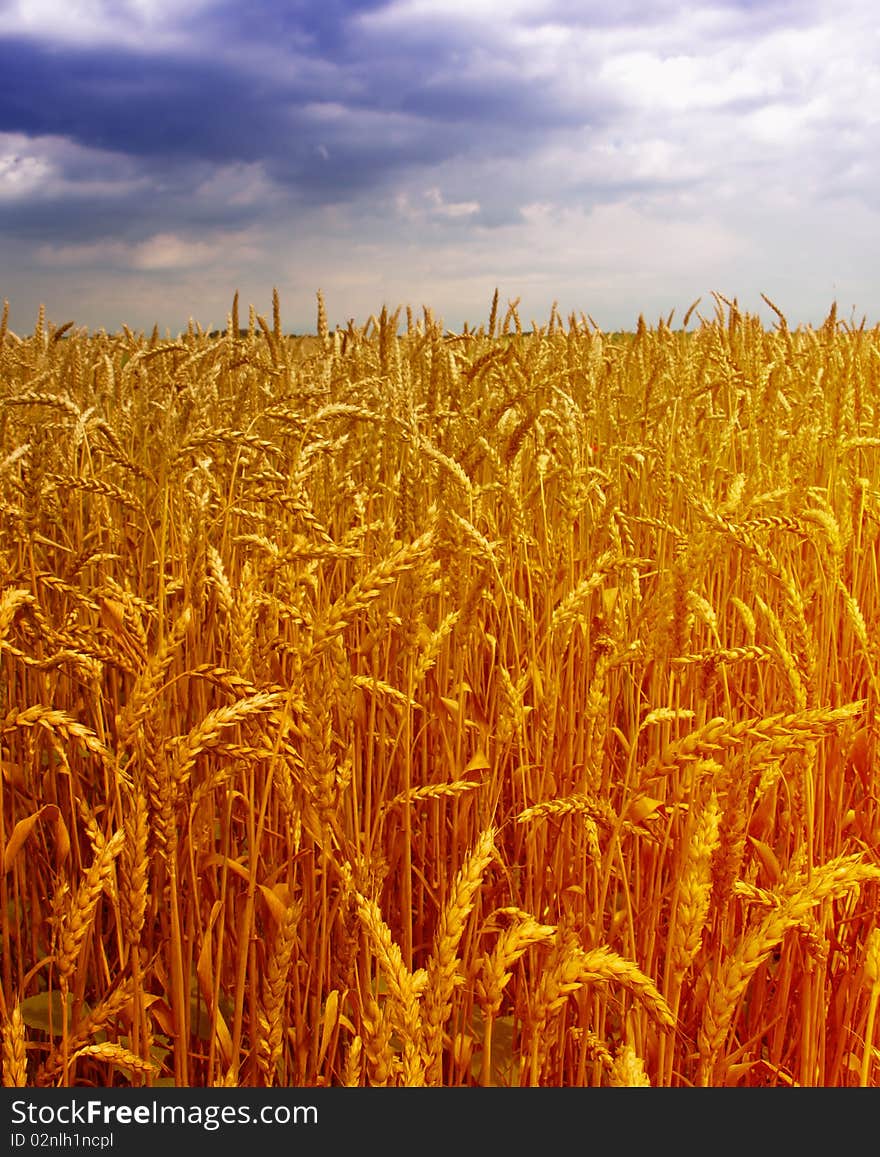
{"x": 394, "y": 707}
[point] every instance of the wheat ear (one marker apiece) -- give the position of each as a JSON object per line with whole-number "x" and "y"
{"x": 829, "y": 882}
{"x": 442, "y": 965}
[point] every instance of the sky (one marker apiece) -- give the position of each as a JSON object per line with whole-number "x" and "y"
{"x": 618, "y": 159}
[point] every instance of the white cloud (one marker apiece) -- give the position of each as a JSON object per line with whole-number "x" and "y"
{"x": 135, "y": 24}
{"x": 161, "y": 251}
{"x": 40, "y": 168}
{"x": 679, "y": 83}
{"x": 430, "y": 204}
{"x": 168, "y": 251}
{"x": 786, "y": 125}
{"x": 21, "y": 175}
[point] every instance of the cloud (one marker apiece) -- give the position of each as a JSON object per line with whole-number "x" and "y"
{"x": 374, "y": 146}
{"x": 131, "y": 23}
{"x": 22, "y": 174}
{"x": 432, "y": 205}
{"x": 159, "y": 252}
{"x": 168, "y": 251}
{"x": 46, "y": 168}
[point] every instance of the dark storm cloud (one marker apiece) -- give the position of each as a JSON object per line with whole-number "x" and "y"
{"x": 323, "y": 107}
{"x": 325, "y": 29}
{"x": 411, "y": 100}
{"x": 142, "y": 106}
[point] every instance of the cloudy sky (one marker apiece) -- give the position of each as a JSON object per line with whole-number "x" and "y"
{"x": 619, "y": 158}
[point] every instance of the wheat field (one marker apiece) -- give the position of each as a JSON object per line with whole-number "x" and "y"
{"x": 397, "y": 707}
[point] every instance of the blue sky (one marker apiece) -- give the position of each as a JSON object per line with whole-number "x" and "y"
{"x": 617, "y": 158}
